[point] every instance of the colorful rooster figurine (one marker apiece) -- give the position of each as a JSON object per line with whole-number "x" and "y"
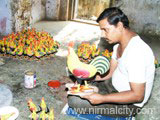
{"x": 43, "y": 115}
{"x": 32, "y": 106}
{"x": 34, "y": 115}
{"x": 82, "y": 70}
{"x": 51, "y": 115}
{"x": 43, "y": 104}
{"x": 76, "y": 67}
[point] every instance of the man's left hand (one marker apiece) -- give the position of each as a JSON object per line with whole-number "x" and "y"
{"x": 94, "y": 98}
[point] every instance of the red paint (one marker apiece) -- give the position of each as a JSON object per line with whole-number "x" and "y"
{"x": 3, "y": 24}
{"x": 54, "y": 84}
{"x": 81, "y": 73}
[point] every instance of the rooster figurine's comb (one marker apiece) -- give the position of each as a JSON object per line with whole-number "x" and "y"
{"x": 71, "y": 44}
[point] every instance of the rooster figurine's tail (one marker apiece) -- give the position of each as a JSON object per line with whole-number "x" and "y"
{"x": 101, "y": 63}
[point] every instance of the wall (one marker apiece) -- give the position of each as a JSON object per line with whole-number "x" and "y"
{"x": 5, "y": 17}
{"x": 37, "y": 11}
{"x": 27, "y": 13}
{"x": 144, "y": 15}
{"x": 52, "y": 9}
{"x": 64, "y": 8}
{"x": 18, "y": 14}
{"x": 91, "y": 9}
{"x": 57, "y": 9}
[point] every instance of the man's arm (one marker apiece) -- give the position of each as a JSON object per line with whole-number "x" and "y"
{"x": 136, "y": 94}
{"x": 113, "y": 66}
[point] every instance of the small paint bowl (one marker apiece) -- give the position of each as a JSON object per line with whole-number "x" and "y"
{"x": 54, "y": 83}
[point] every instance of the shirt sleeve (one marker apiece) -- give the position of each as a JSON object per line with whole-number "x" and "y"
{"x": 136, "y": 67}
{"x": 114, "y": 54}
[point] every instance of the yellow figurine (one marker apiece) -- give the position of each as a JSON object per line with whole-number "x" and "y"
{"x": 43, "y": 104}
{"x": 51, "y": 115}
{"x": 31, "y": 105}
{"x": 43, "y": 115}
{"x": 34, "y": 115}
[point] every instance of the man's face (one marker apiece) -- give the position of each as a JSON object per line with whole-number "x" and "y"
{"x": 110, "y": 32}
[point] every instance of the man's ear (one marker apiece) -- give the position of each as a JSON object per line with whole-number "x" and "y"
{"x": 120, "y": 26}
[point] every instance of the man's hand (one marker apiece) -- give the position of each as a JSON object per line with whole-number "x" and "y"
{"x": 94, "y": 98}
{"x": 113, "y": 66}
{"x": 135, "y": 95}
{"x": 98, "y": 78}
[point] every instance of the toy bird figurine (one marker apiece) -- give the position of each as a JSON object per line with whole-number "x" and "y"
{"x": 34, "y": 115}
{"x": 76, "y": 67}
{"x": 31, "y": 105}
{"x": 51, "y": 115}
{"x": 83, "y": 71}
{"x": 43, "y": 115}
{"x": 43, "y": 104}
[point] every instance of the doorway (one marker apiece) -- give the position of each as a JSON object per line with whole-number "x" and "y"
{"x": 88, "y": 10}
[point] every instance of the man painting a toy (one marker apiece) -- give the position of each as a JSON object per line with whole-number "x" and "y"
{"x": 129, "y": 82}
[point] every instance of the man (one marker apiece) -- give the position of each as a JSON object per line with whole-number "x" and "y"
{"x": 132, "y": 71}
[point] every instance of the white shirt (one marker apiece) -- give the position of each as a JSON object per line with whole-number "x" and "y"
{"x": 135, "y": 65}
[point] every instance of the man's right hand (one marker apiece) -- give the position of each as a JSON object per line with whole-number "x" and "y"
{"x": 113, "y": 66}
{"x": 99, "y": 78}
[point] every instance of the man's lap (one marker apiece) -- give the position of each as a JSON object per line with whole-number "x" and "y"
{"x": 83, "y": 106}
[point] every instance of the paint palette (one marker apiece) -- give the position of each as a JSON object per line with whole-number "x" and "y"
{"x": 10, "y": 111}
{"x": 83, "y": 90}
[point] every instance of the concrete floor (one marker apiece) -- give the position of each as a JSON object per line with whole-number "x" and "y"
{"x": 12, "y": 75}
{"x": 53, "y": 68}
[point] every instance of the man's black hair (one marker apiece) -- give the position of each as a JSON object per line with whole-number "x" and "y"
{"x": 114, "y": 15}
